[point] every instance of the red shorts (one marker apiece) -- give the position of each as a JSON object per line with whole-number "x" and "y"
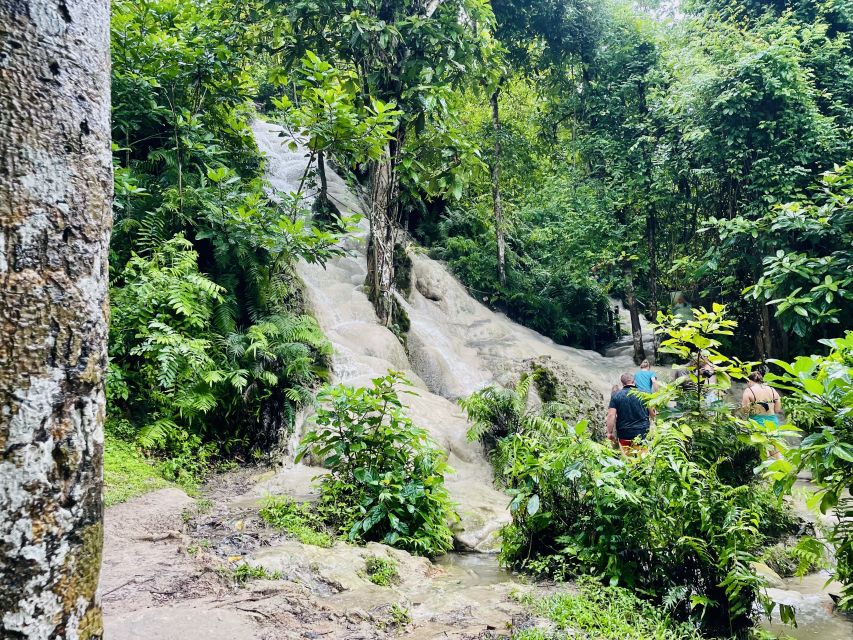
{"x": 631, "y": 447}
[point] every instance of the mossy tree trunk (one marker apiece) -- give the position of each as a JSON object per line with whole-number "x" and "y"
{"x": 55, "y": 199}
{"x": 384, "y": 213}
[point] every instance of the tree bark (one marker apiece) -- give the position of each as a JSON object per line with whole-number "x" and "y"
{"x": 496, "y": 188}
{"x": 384, "y": 206}
{"x": 636, "y": 327}
{"x": 651, "y": 242}
{"x": 323, "y": 196}
{"x": 55, "y": 198}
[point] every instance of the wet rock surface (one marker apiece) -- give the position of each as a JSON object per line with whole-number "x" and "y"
{"x": 169, "y": 573}
{"x": 169, "y": 560}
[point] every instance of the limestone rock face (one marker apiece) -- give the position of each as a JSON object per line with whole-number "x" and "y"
{"x": 454, "y": 346}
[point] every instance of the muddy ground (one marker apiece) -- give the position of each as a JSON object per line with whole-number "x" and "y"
{"x": 169, "y": 564}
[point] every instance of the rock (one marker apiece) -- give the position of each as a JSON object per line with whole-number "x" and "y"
{"x": 182, "y": 622}
{"x": 773, "y": 579}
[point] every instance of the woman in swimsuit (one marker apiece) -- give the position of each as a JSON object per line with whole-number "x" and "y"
{"x": 761, "y": 402}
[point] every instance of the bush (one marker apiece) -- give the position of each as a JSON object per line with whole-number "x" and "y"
{"x": 386, "y": 476}
{"x": 676, "y": 523}
{"x": 820, "y": 403}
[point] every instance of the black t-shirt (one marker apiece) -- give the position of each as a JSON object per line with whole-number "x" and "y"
{"x": 632, "y": 418}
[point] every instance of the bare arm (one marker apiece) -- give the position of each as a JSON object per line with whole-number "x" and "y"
{"x": 655, "y": 384}
{"x": 611, "y": 424}
{"x": 777, "y": 403}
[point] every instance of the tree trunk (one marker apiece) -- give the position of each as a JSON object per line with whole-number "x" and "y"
{"x": 631, "y": 300}
{"x": 323, "y": 196}
{"x": 384, "y": 205}
{"x": 55, "y": 198}
{"x": 651, "y": 241}
{"x": 496, "y": 188}
{"x": 764, "y": 337}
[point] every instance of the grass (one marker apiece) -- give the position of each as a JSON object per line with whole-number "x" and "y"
{"x": 298, "y": 519}
{"x": 246, "y": 572}
{"x": 201, "y": 506}
{"x": 127, "y": 473}
{"x": 381, "y": 571}
{"x": 604, "y": 613}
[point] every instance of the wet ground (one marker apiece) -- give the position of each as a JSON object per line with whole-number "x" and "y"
{"x": 169, "y": 574}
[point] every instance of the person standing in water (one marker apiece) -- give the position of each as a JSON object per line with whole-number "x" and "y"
{"x": 760, "y": 401}
{"x": 645, "y": 379}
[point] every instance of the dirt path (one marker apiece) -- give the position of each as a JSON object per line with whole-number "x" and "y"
{"x": 169, "y": 563}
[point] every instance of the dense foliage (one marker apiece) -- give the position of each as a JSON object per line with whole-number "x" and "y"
{"x": 386, "y": 476}
{"x": 820, "y": 401}
{"x": 209, "y": 348}
{"x": 644, "y": 151}
{"x": 681, "y": 522}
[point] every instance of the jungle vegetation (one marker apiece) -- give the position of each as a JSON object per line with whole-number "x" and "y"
{"x": 554, "y": 153}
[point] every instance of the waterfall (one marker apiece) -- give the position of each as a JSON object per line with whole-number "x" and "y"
{"x": 456, "y": 345}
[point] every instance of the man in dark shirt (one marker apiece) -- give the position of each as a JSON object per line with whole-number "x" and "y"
{"x": 627, "y": 418}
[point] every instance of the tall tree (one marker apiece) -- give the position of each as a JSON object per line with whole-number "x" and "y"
{"x": 55, "y": 192}
{"x": 539, "y": 36}
{"x": 406, "y": 52}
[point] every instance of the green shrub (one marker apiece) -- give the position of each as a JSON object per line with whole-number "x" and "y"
{"x": 676, "y": 523}
{"x": 820, "y": 403}
{"x": 496, "y": 412}
{"x": 795, "y": 557}
{"x": 298, "y": 519}
{"x": 381, "y": 571}
{"x": 605, "y": 613}
{"x": 386, "y": 476}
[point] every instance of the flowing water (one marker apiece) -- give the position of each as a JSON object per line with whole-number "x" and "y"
{"x": 456, "y": 345}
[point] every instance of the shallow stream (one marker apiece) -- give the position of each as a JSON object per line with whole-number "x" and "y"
{"x": 816, "y": 616}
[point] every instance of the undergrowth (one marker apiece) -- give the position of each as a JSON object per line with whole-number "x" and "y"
{"x": 127, "y": 473}
{"x": 298, "y": 519}
{"x": 604, "y": 613}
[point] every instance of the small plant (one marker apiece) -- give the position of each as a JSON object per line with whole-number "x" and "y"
{"x": 386, "y": 476}
{"x": 298, "y": 519}
{"x": 201, "y": 506}
{"x": 246, "y": 572}
{"x": 196, "y": 547}
{"x": 381, "y": 571}
{"x": 400, "y": 616}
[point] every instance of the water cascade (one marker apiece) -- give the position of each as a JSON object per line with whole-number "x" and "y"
{"x": 455, "y": 345}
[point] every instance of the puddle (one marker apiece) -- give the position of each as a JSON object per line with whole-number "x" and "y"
{"x": 474, "y": 569}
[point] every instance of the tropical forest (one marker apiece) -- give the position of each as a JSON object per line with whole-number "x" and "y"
{"x": 458, "y": 319}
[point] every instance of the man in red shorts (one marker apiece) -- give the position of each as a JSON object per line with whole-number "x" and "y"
{"x": 627, "y": 417}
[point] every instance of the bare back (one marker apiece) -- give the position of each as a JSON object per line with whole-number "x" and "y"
{"x": 761, "y": 399}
